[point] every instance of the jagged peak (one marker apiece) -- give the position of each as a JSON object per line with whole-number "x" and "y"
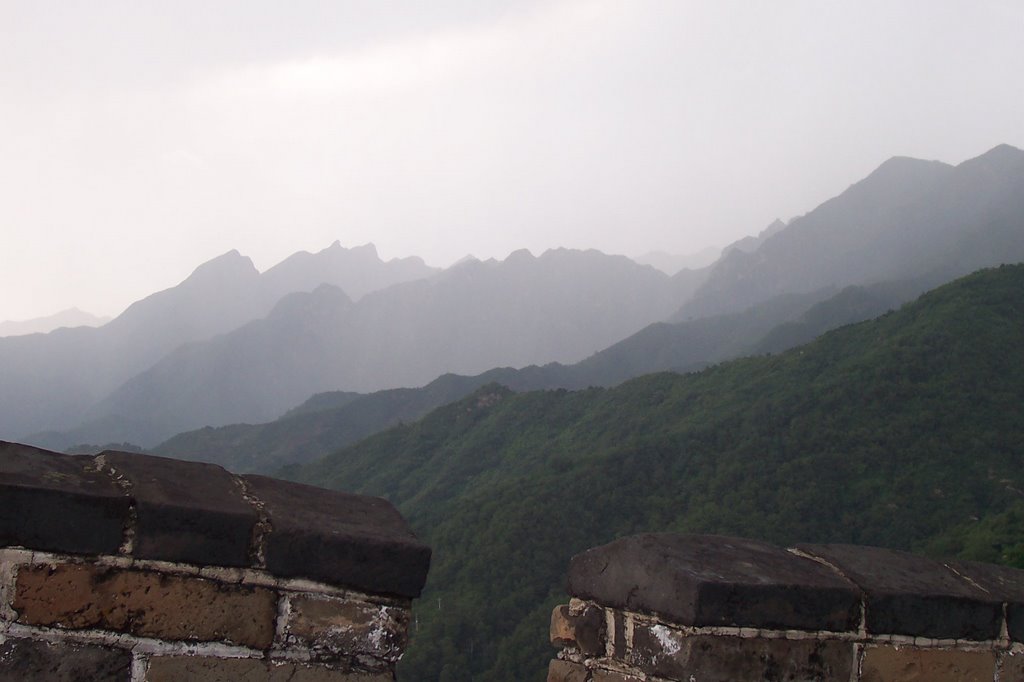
{"x": 1002, "y": 156}
{"x": 230, "y": 262}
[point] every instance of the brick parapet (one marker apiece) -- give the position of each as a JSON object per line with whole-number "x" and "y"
{"x": 676, "y": 607}
{"x": 132, "y": 568}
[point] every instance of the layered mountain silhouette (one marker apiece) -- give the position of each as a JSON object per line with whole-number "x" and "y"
{"x": 560, "y": 306}
{"x": 329, "y": 421}
{"x": 52, "y": 380}
{"x": 231, "y": 345}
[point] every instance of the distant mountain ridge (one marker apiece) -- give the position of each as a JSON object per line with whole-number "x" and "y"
{"x": 71, "y": 317}
{"x": 52, "y": 380}
{"x": 330, "y": 421}
{"x": 560, "y": 306}
{"x": 907, "y": 219}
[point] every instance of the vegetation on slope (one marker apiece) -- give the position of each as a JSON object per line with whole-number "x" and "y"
{"x": 905, "y": 431}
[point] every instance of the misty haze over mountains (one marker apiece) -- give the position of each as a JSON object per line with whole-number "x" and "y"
{"x": 72, "y": 317}
{"x": 232, "y": 345}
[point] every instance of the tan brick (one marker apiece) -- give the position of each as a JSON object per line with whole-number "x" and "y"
{"x": 145, "y": 603}
{"x": 566, "y": 671}
{"x": 583, "y": 630}
{"x": 198, "y": 669}
{"x": 335, "y": 628}
{"x": 907, "y": 664}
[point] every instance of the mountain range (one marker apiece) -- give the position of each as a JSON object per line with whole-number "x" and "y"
{"x": 53, "y": 380}
{"x": 229, "y": 346}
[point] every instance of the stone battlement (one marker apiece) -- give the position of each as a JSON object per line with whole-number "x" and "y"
{"x": 717, "y": 609}
{"x": 126, "y": 567}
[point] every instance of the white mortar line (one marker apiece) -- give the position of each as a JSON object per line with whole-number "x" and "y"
{"x": 140, "y": 667}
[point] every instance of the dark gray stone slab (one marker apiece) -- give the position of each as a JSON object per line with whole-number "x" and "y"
{"x": 704, "y": 580}
{"x": 908, "y": 594}
{"x": 339, "y": 538}
{"x": 186, "y": 511}
{"x": 58, "y": 503}
{"x": 22, "y": 659}
{"x": 1003, "y": 583}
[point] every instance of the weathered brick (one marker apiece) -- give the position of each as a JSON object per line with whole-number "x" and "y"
{"x": 662, "y": 651}
{"x": 566, "y": 671}
{"x": 22, "y": 659}
{"x": 907, "y": 664}
{"x": 198, "y": 669}
{"x": 144, "y": 603}
{"x": 336, "y": 628}
{"x": 1011, "y": 666}
{"x": 583, "y": 630}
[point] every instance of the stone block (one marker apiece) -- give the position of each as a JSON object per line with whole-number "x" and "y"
{"x": 348, "y": 540}
{"x": 566, "y": 671}
{"x": 907, "y": 664}
{"x": 583, "y": 630}
{"x": 58, "y": 503}
{"x": 199, "y": 669}
{"x": 186, "y": 511}
{"x": 1004, "y": 584}
{"x": 664, "y": 652}
{"x": 22, "y": 659}
{"x": 907, "y": 594}
{"x": 144, "y": 603}
{"x": 706, "y": 580}
{"x": 334, "y": 628}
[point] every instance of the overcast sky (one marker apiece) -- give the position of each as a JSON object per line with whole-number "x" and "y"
{"x": 139, "y": 139}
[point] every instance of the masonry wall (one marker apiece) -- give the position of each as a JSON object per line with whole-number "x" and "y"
{"x": 124, "y": 567}
{"x": 716, "y": 609}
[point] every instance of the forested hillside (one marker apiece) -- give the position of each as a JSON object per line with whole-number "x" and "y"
{"x": 904, "y": 431}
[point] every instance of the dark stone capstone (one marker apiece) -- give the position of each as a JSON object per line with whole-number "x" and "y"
{"x": 186, "y": 511}
{"x": 1003, "y": 583}
{"x": 907, "y": 594}
{"x": 58, "y": 502}
{"x": 352, "y": 540}
{"x": 707, "y": 580}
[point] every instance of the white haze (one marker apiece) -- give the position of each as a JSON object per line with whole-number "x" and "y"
{"x": 138, "y": 139}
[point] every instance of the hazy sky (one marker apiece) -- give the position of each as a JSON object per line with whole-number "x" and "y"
{"x": 138, "y": 139}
